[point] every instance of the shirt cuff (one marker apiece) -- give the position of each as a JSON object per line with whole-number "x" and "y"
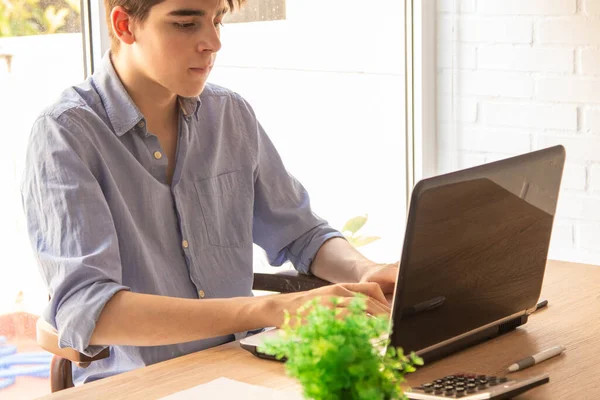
{"x": 77, "y": 316}
{"x": 304, "y": 250}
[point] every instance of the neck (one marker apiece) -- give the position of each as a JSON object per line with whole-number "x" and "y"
{"x": 154, "y": 101}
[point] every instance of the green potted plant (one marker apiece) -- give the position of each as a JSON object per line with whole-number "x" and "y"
{"x": 338, "y": 356}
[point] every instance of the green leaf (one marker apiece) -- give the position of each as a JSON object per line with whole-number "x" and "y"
{"x": 54, "y": 20}
{"x": 354, "y": 224}
{"x": 415, "y": 359}
{"x": 359, "y": 241}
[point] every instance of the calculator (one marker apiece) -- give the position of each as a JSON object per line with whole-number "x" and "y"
{"x": 469, "y": 386}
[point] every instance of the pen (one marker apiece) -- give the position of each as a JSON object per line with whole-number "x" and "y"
{"x": 536, "y": 358}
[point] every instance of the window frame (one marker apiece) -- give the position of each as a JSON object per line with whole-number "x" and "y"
{"x": 95, "y": 34}
{"x": 421, "y": 142}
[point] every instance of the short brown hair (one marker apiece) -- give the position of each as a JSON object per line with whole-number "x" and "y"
{"x": 139, "y": 10}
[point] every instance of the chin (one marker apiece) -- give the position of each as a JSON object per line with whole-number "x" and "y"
{"x": 192, "y": 91}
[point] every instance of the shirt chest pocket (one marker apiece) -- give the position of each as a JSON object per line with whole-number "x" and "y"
{"x": 227, "y": 209}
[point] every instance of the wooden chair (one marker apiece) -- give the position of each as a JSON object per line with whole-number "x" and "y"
{"x": 61, "y": 365}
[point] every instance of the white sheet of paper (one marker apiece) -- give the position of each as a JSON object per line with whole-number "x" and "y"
{"x": 224, "y": 388}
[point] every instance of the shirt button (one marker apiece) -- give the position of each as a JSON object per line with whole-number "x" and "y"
{"x": 157, "y": 155}
{"x": 201, "y": 294}
{"x": 185, "y": 244}
{"x": 141, "y": 124}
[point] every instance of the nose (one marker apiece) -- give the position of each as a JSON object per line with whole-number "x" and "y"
{"x": 211, "y": 40}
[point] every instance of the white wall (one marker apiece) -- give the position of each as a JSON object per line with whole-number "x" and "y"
{"x": 520, "y": 75}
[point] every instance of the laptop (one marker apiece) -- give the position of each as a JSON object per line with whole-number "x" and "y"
{"x": 474, "y": 254}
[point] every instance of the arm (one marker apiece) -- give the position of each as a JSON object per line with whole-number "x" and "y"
{"x": 135, "y": 319}
{"x": 338, "y": 261}
{"x": 284, "y": 224}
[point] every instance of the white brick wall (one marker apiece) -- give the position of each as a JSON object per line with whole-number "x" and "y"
{"x": 520, "y": 75}
{"x": 590, "y": 61}
{"x": 527, "y": 58}
{"x": 592, "y": 7}
{"x": 527, "y": 7}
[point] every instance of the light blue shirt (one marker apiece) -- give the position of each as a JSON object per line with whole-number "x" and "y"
{"x": 102, "y": 218}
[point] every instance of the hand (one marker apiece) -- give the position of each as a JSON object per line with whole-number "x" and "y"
{"x": 384, "y": 275}
{"x": 376, "y": 302}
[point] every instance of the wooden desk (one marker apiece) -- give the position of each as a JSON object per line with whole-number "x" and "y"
{"x": 572, "y": 319}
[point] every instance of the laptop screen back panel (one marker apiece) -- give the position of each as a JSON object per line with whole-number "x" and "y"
{"x": 475, "y": 248}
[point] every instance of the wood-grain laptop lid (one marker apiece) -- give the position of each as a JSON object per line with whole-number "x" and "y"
{"x": 475, "y": 248}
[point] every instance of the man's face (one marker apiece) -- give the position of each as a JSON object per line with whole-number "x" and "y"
{"x": 176, "y": 46}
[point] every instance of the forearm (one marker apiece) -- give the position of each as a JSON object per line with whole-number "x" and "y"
{"x": 134, "y": 319}
{"x": 338, "y": 261}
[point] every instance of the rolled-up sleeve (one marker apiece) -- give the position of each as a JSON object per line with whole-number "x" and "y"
{"x": 71, "y": 230}
{"x": 284, "y": 224}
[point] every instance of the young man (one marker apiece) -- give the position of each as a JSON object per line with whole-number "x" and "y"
{"x": 145, "y": 188}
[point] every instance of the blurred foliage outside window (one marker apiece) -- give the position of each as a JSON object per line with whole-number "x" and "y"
{"x": 38, "y": 17}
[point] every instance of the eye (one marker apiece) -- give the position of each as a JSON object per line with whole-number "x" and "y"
{"x": 185, "y": 25}
{"x": 219, "y": 23}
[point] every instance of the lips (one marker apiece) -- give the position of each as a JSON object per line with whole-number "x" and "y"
{"x": 203, "y": 68}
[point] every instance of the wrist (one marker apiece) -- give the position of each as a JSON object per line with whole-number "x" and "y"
{"x": 361, "y": 268}
{"x": 267, "y": 310}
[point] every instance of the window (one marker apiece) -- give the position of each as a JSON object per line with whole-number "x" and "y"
{"x": 258, "y": 10}
{"x": 326, "y": 79}
{"x": 41, "y": 53}
{"x": 327, "y": 83}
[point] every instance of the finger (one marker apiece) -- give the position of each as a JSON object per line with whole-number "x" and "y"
{"x": 372, "y": 290}
{"x": 388, "y": 278}
{"x": 375, "y": 308}
{"x": 385, "y": 276}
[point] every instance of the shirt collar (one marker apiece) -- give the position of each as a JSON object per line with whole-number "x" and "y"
{"x": 120, "y": 108}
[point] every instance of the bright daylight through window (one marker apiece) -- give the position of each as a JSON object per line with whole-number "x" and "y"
{"x": 326, "y": 80}
{"x": 41, "y": 54}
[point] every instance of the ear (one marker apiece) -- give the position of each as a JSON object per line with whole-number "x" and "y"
{"x": 121, "y": 25}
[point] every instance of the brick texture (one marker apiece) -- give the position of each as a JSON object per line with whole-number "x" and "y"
{"x": 521, "y": 75}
